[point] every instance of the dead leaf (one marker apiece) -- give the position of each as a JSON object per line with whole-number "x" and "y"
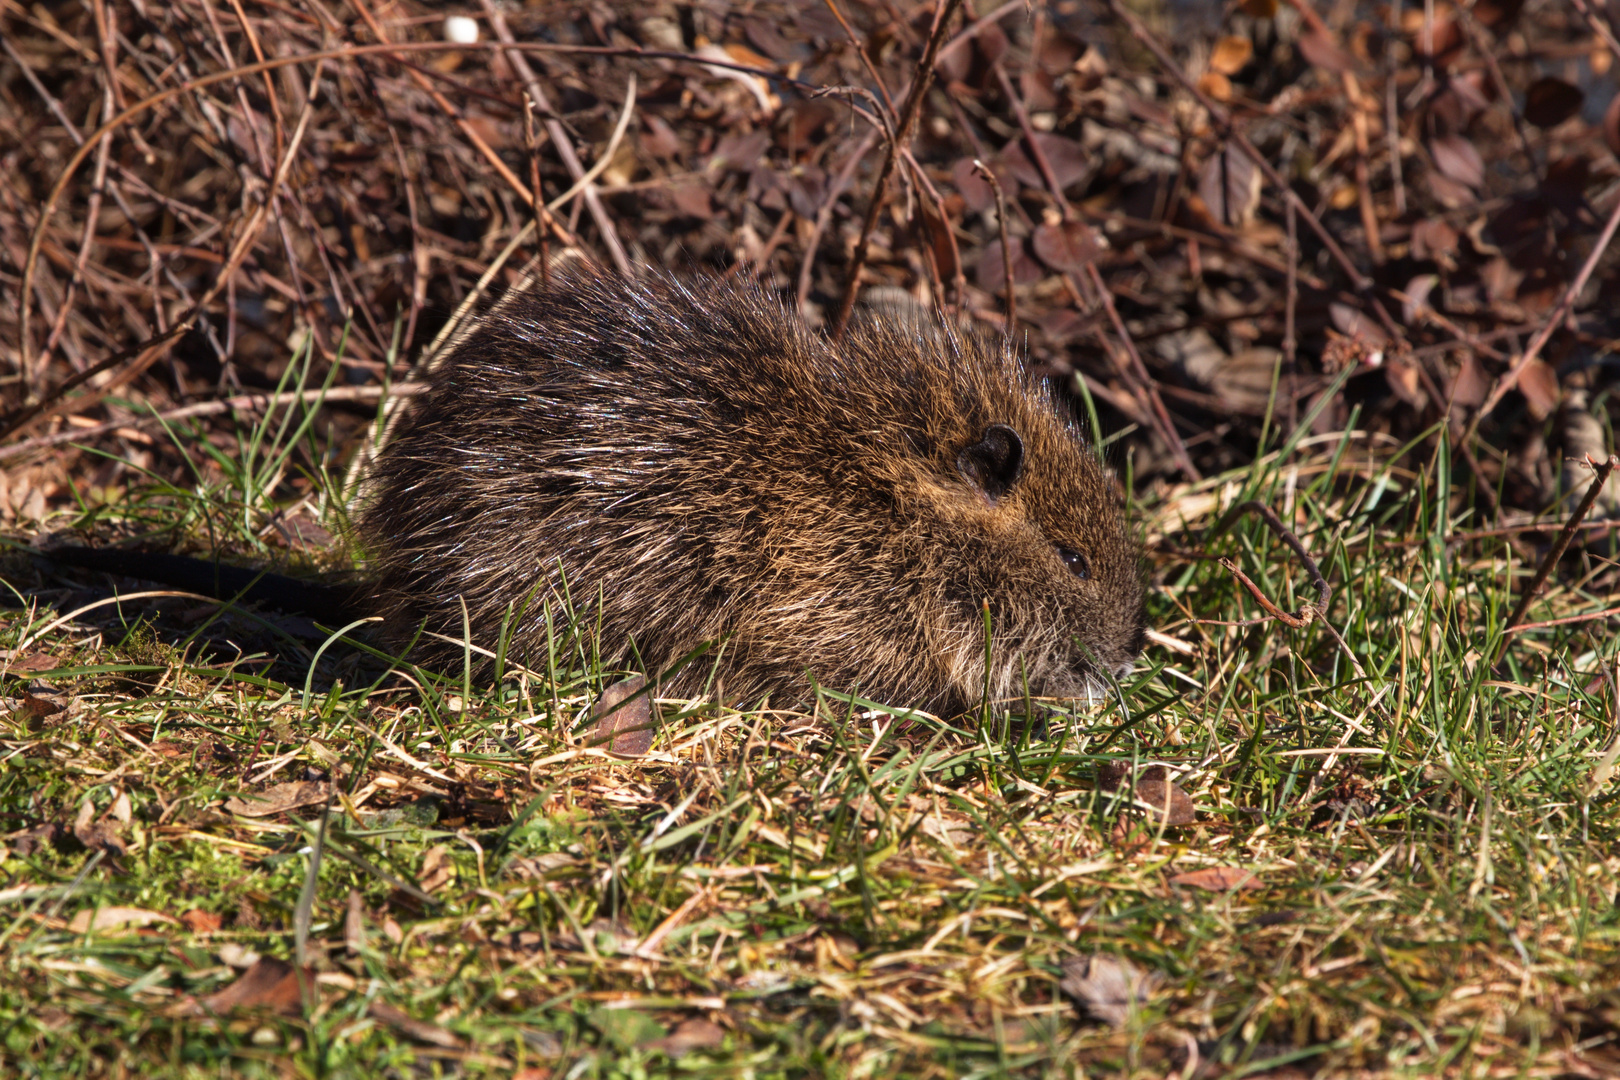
{"x": 1230, "y": 55}
{"x": 992, "y": 278}
{"x": 410, "y": 1026}
{"x": 1322, "y": 51}
{"x": 688, "y": 1036}
{"x": 1066, "y": 246}
{"x": 31, "y": 662}
{"x": 1549, "y": 102}
{"x": 1107, "y": 988}
{"x": 274, "y": 985}
{"x": 115, "y": 918}
{"x": 1458, "y": 160}
{"x": 1469, "y": 386}
{"x": 279, "y": 799}
{"x": 1538, "y": 382}
{"x": 1218, "y": 879}
{"x": 1611, "y": 125}
{"x": 1163, "y": 799}
{"x": 1433, "y": 239}
{"x": 437, "y": 869}
{"x": 199, "y": 921}
{"x": 620, "y": 725}
{"x": 1229, "y": 184}
{"x": 1069, "y": 161}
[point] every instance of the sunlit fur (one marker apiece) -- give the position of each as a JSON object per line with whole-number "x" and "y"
{"x": 691, "y": 458}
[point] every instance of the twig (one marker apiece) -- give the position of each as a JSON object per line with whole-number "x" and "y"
{"x": 1600, "y": 474}
{"x": 1510, "y": 378}
{"x": 908, "y": 121}
{"x": 1006, "y": 249}
{"x": 1307, "y": 613}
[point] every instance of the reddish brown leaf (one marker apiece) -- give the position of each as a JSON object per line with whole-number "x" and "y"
{"x": 1549, "y": 102}
{"x": 690, "y": 1035}
{"x": 1230, "y": 54}
{"x": 992, "y": 278}
{"x": 1538, "y": 382}
{"x": 1433, "y": 239}
{"x": 1068, "y": 159}
{"x": 1323, "y": 52}
{"x": 1469, "y": 386}
{"x": 1107, "y": 988}
{"x": 1163, "y": 799}
{"x": 1218, "y": 879}
{"x": 620, "y": 725}
{"x": 1066, "y": 246}
{"x": 1229, "y": 184}
{"x": 409, "y": 1026}
{"x": 269, "y": 984}
{"x": 1611, "y": 125}
{"x": 279, "y": 799}
{"x": 199, "y": 921}
{"x": 1458, "y": 160}
{"x": 437, "y": 869}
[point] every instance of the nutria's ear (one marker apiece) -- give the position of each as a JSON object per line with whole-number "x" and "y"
{"x": 994, "y": 463}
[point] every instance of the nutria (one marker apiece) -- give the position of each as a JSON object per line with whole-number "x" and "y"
{"x": 687, "y": 462}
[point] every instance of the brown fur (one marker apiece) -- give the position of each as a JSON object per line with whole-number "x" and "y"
{"x": 694, "y": 460}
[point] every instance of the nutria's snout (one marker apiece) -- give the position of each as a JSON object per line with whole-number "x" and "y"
{"x": 687, "y": 462}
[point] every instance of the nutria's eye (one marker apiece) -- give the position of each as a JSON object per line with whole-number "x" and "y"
{"x": 1076, "y": 561}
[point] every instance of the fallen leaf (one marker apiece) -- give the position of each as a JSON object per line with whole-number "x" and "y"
{"x": 1458, "y": 160}
{"x": 1549, "y": 102}
{"x": 115, "y": 918}
{"x": 1218, "y": 879}
{"x": 1322, "y": 51}
{"x": 1069, "y": 161}
{"x": 1107, "y": 988}
{"x": 620, "y": 725}
{"x": 1066, "y": 246}
{"x": 688, "y": 1036}
{"x": 199, "y": 921}
{"x": 437, "y": 869}
{"x": 1538, "y": 382}
{"x": 992, "y": 278}
{"x": 1230, "y": 54}
{"x": 1433, "y": 239}
{"x": 1229, "y": 184}
{"x": 408, "y": 1025}
{"x": 1469, "y": 386}
{"x": 1611, "y": 125}
{"x": 279, "y": 799}
{"x": 1163, "y": 799}
{"x": 270, "y": 984}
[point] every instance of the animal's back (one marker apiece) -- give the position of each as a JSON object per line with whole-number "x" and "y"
{"x": 690, "y": 463}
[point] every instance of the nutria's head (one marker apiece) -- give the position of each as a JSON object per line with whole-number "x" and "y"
{"x": 694, "y": 464}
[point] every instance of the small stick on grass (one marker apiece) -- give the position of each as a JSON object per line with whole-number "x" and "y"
{"x": 1308, "y": 613}
{"x": 1006, "y": 251}
{"x": 1600, "y": 471}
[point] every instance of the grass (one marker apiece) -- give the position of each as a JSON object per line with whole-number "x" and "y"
{"x": 848, "y": 890}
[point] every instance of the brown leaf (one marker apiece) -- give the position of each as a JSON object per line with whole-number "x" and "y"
{"x": 692, "y": 200}
{"x": 975, "y": 190}
{"x": 1457, "y": 160}
{"x": 199, "y": 921}
{"x": 269, "y": 984}
{"x": 409, "y": 1026}
{"x": 1321, "y": 50}
{"x": 990, "y": 274}
{"x": 1230, "y": 55}
{"x": 437, "y": 869}
{"x": 32, "y": 662}
{"x": 1107, "y": 988}
{"x": 1469, "y": 386}
{"x": 1611, "y": 125}
{"x": 1229, "y": 184}
{"x": 1549, "y": 102}
{"x": 1538, "y": 382}
{"x": 301, "y": 532}
{"x": 279, "y": 799}
{"x": 1069, "y": 161}
{"x": 619, "y": 725}
{"x": 1066, "y": 246}
{"x": 1433, "y": 239}
{"x": 1404, "y": 379}
{"x": 1216, "y": 85}
{"x": 690, "y": 1035}
{"x": 115, "y": 918}
{"x": 1218, "y": 879}
{"x": 1163, "y": 799}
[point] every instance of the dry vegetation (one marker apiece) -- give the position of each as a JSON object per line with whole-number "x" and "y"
{"x": 1352, "y": 261}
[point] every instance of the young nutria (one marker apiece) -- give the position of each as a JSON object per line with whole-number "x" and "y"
{"x": 687, "y": 462}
